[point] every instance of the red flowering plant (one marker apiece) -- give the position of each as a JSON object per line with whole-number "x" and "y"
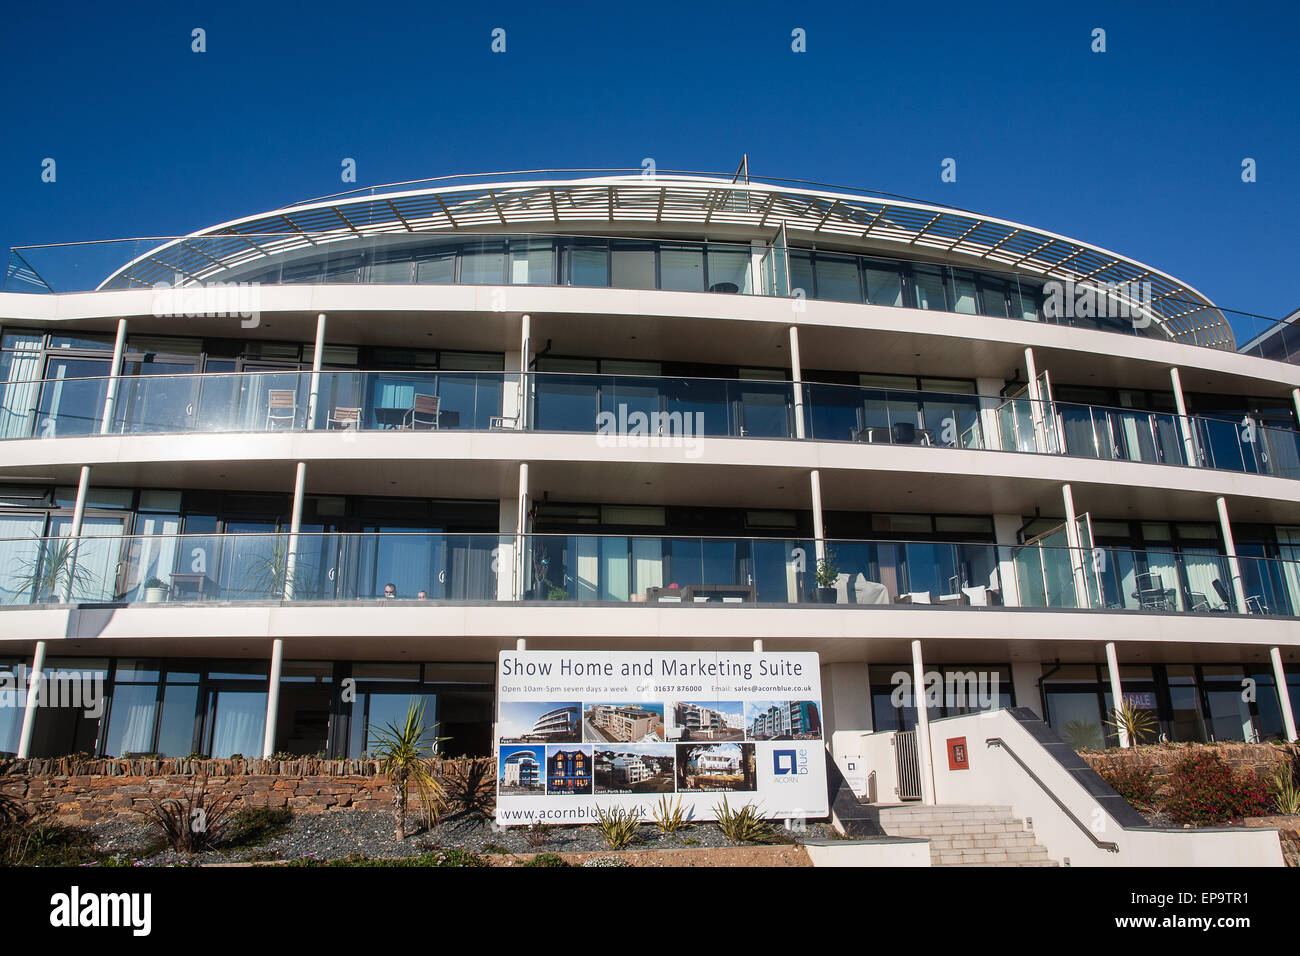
{"x": 1203, "y": 789}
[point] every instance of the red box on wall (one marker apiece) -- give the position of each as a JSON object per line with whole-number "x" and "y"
{"x": 958, "y": 758}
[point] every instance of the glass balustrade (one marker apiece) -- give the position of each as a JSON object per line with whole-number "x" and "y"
{"x": 635, "y": 405}
{"x": 636, "y": 569}
{"x": 672, "y": 570}
{"x": 254, "y": 402}
{"x": 249, "y": 568}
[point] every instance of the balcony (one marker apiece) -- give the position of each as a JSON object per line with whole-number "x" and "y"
{"x": 631, "y": 570}
{"x": 636, "y": 406}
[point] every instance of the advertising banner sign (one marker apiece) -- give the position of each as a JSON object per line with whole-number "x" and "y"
{"x": 578, "y": 730}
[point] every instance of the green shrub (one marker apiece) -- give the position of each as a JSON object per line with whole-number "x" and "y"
{"x": 1284, "y": 784}
{"x": 741, "y": 826}
{"x": 1134, "y": 782}
{"x": 1204, "y": 789}
{"x": 618, "y": 826}
{"x": 670, "y": 817}
{"x": 547, "y": 859}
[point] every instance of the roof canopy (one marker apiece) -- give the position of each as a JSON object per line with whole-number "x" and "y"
{"x": 670, "y": 199}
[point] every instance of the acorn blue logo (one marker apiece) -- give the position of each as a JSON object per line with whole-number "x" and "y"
{"x": 784, "y": 762}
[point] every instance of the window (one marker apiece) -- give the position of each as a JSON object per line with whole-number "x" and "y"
{"x": 884, "y": 287}
{"x": 729, "y": 270}
{"x": 483, "y": 266}
{"x": 588, "y": 266}
{"x": 633, "y": 267}
{"x": 532, "y": 263}
{"x": 837, "y": 279}
{"x": 681, "y": 269}
{"x": 932, "y": 288}
{"x": 437, "y": 270}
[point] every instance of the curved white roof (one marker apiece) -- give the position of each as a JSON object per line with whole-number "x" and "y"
{"x": 553, "y": 201}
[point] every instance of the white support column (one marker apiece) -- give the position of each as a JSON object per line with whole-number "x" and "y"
{"x": 1230, "y": 546}
{"x": 34, "y": 679}
{"x": 819, "y": 531}
{"x": 990, "y": 393}
{"x": 313, "y": 397}
{"x": 74, "y": 532}
{"x": 521, "y": 644}
{"x": 114, "y": 376}
{"x": 273, "y": 698}
{"x": 1077, "y": 565}
{"x": 1295, "y": 398}
{"x": 525, "y": 359}
{"x": 1116, "y": 691}
{"x": 1004, "y": 532}
{"x": 1036, "y": 403}
{"x": 758, "y": 645}
{"x": 295, "y": 526}
{"x": 506, "y": 562}
{"x": 1184, "y": 423}
{"x": 924, "y": 753}
{"x": 1283, "y": 693}
{"x": 796, "y": 375}
{"x": 521, "y": 531}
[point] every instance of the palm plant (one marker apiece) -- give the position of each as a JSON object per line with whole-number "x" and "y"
{"x": 1132, "y": 721}
{"x": 53, "y": 571}
{"x": 272, "y": 573}
{"x": 405, "y": 753}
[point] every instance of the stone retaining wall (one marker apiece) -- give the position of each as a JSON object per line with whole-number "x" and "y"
{"x": 79, "y": 791}
{"x": 1261, "y": 758}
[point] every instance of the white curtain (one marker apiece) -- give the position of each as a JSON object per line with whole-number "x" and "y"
{"x": 588, "y": 569}
{"x": 647, "y": 564}
{"x": 613, "y": 569}
{"x": 1203, "y": 567}
{"x": 97, "y": 557}
{"x": 21, "y": 388}
{"x": 20, "y": 549}
{"x": 238, "y": 723}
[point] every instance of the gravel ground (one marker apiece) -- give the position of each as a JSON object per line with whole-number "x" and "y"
{"x": 342, "y": 833}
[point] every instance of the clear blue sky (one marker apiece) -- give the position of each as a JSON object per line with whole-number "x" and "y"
{"x": 1138, "y": 149}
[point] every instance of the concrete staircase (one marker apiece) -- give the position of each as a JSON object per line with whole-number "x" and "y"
{"x": 966, "y": 836}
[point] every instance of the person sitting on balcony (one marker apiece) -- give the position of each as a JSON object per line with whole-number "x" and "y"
{"x": 390, "y": 590}
{"x": 422, "y": 595}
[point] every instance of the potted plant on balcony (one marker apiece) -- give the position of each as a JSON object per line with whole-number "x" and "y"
{"x": 155, "y": 591}
{"x": 53, "y": 572}
{"x": 827, "y": 576}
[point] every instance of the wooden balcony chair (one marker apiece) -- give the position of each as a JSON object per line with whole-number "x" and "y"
{"x": 345, "y": 418}
{"x": 281, "y": 408}
{"x": 423, "y": 413}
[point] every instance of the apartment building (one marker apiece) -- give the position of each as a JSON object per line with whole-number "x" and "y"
{"x": 268, "y": 482}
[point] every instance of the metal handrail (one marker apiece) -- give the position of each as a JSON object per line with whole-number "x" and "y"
{"x": 1100, "y": 844}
